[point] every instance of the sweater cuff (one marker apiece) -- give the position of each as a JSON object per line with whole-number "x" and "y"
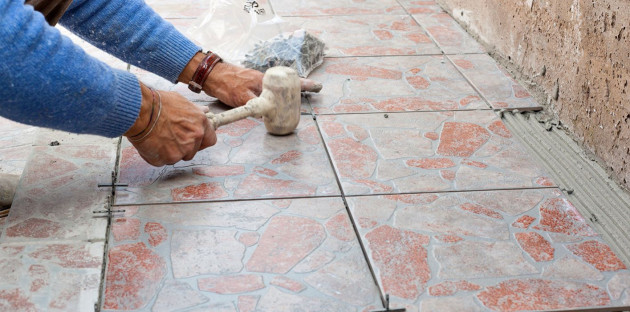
{"x": 127, "y": 101}
{"x": 176, "y": 53}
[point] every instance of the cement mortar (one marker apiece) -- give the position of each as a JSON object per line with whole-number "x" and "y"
{"x": 573, "y": 53}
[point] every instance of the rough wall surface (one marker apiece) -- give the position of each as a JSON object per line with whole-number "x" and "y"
{"x": 575, "y": 55}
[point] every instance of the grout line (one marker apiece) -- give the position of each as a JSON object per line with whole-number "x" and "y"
{"x": 355, "y": 228}
{"x": 330, "y": 196}
{"x": 222, "y": 200}
{"x": 383, "y": 55}
{"x": 459, "y": 191}
{"x": 110, "y": 204}
{"x": 469, "y": 82}
{"x": 437, "y": 44}
{"x": 407, "y": 55}
{"x": 409, "y": 112}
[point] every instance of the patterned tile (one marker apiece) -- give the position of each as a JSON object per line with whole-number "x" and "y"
{"x": 55, "y": 277}
{"x": 269, "y": 255}
{"x": 13, "y": 159}
{"x": 343, "y": 7}
{"x": 58, "y": 193}
{"x": 467, "y": 251}
{"x": 372, "y": 35}
{"x": 494, "y": 84}
{"x": 424, "y": 152}
{"x": 51, "y": 137}
{"x": 388, "y": 84}
{"x": 13, "y": 134}
{"x": 246, "y": 163}
{"x": 451, "y": 38}
{"x": 16, "y": 141}
{"x": 421, "y": 6}
{"x": 180, "y": 9}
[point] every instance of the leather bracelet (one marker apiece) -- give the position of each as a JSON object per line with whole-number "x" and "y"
{"x": 202, "y": 72}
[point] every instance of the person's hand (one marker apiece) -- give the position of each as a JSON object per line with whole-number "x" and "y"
{"x": 175, "y": 132}
{"x": 232, "y": 84}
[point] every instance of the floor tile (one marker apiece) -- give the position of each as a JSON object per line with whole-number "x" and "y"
{"x": 494, "y": 84}
{"x": 421, "y": 6}
{"x": 343, "y": 7}
{"x": 451, "y": 38}
{"x": 58, "y": 192}
{"x": 13, "y": 134}
{"x": 13, "y": 159}
{"x": 179, "y": 8}
{"x": 388, "y": 84}
{"x": 470, "y": 249}
{"x": 372, "y": 35}
{"x": 55, "y": 277}
{"x": 269, "y": 255}
{"x": 16, "y": 141}
{"x": 425, "y": 152}
{"x": 246, "y": 163}
{"x": 51, "y": 137}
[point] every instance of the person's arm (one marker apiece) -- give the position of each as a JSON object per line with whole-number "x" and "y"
{"x": 50, "y": 82}
{"x": 133, "y": 32}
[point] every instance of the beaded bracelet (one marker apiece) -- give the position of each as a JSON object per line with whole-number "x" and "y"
{"x": 202, "y": 72}
{"x": 131, "y": 139}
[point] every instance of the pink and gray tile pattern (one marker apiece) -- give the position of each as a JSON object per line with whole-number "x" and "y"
{"x": 390, "y": 84}
{"x": 274, "y": 255}
{"x": 246, "y": 163}
{"x": 501, "y": 91}
{"x": 58, "y": 192}
{"x": 455, "y": 216}
{"x": 52, "y": 245}
{"x": 496, "y": 250}
{"x": 15, "y": 146}
{"x": 368, "y": 35}
{"x": 425, "y": 152}
{"x": 342, "y": 7}
{"x": 450, "y": 37}
{"x": 421, "y": 6}
{"x": 50, "y": 277}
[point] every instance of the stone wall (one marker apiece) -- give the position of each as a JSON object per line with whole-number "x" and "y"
{"x": 574, "y": 54}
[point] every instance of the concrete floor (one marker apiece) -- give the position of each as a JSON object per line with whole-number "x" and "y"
{"x": 400, "y": 180}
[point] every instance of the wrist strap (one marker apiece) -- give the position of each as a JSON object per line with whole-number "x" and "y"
{"x": 202, "y": 72}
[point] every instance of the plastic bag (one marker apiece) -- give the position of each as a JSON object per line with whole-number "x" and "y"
{"x": 232, "y": 27}
{"x": 236, "y": 28}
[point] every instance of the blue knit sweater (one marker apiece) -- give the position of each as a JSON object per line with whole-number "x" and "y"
{"x": 47, "y": 81}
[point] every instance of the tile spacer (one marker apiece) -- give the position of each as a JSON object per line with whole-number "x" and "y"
{"x": 387, "y": 309}
{"x": 112, "y": 184}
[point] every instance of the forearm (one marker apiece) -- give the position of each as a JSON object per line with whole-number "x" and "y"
{"x": 49, "y": 82}
{"x": 133, "y": 32}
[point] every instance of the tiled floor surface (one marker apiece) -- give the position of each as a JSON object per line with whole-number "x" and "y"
{"x": 402, "y": 153}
